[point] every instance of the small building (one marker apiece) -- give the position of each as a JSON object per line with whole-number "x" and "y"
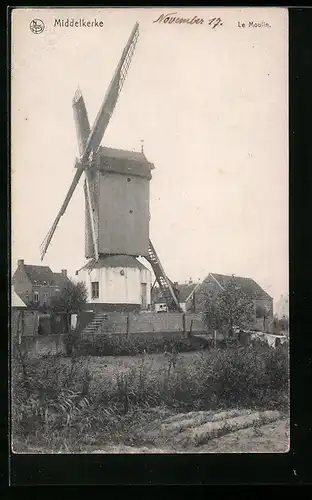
{"x": 34, "y": 330}
{"x": 24, "y": 321}
{"x": 17, "y": 315}
{"x": 36, "y": 285}
{"x": 192, "y": 297}
{"x": 185, "y": 294}
{"x": 117, "y": 282}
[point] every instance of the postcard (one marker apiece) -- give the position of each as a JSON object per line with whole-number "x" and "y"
{"x": 149, "y": 283}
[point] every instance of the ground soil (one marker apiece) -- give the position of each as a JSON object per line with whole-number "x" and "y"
{"x": 272, "y": 437}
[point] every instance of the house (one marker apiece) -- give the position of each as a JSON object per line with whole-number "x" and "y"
{"x": 37, "y": 284}
{"x": 24, "y": 321}
{"x": 116, "y": 282}
{"x": 185, "y": 294}
{"x": 157, "y": 300}
{"x": 263, "y": 303}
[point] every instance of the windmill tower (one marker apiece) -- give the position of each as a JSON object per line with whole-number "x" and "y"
{"x": 116, "y": 191}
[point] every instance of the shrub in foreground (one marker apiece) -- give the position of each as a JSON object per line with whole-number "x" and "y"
{"x": 132, "y": 345}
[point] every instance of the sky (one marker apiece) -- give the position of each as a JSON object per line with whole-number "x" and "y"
{"x": 212, "y": 108}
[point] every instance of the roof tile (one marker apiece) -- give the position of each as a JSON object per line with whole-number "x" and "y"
{"x": 248, "y": 285}
{"x": 42, "y": 275}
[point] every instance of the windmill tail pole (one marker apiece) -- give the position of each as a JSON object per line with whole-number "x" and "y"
{"x": 162, "y": 279}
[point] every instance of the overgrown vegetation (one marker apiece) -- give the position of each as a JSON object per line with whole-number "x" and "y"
{"x": 123, "y": 345}
{"x": 227, "y": 308}
{"x": 58, "y": 405}
{"x": 280, "y": 325}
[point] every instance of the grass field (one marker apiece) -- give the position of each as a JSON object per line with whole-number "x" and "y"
{"x": 68, "y": 404}
{"x": 108, "y": 366}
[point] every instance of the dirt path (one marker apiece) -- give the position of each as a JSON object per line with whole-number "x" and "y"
{"x": 269, "y": 438}
{"x": 230, "y": 431}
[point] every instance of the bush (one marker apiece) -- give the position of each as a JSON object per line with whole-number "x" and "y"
{"x": 47, "y": 393}
{"x": 123, "y": 345}
{"x": 248, "y": 376}
{"x": 238, "y": 377}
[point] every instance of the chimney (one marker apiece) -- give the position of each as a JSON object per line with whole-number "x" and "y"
{"x": 64, "y": 272}
{"x": 20, "y": 263}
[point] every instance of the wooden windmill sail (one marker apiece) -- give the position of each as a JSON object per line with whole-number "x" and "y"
{"x": 104, "y": 211}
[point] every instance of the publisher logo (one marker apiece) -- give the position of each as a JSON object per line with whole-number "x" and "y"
{"x": 37, "y": 26}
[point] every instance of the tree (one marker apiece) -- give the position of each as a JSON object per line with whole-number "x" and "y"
{"x": 280, "y": 325}
{"x": 276, "y": 326}
{"x": 228, "y": 308}
{"x": 284, "y": 323}
{"x": 70, "y": 299}
{"x": 262, "y": 311}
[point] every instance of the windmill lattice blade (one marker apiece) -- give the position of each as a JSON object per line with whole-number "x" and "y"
{"x": 112, "y": 94}
{"x": 46, "y": 242}
{"x": 81, "y": 120}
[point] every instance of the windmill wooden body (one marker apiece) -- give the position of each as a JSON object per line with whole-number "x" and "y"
{"x": 116, "y": 190}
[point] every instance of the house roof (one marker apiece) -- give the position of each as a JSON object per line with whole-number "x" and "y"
{"x": 16, "y": 301}
{"x": 39, "y": 275}
{"x": 184, "y": 290}
{"x": 248, "y": 285}
{"x": 115, "y": 261}
{"x": 124, "y": 154}
{"x": 42, "y": 275}
{"x": 59, "y": 279}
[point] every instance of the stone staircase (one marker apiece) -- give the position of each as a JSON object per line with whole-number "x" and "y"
{"x": 95, "y": 324}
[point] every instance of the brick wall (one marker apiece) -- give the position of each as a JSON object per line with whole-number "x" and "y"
{"x": 147, "y": 322}
{"x": 153, "y": 322}
{"x": 116, "y": 322}
{"x": 83, "y": 319}
{"x": 30, "y": 323}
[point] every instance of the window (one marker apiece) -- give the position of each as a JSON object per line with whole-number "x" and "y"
{"x": 95, "y": 290}
{"x": 36, "y": 296}
{"x": 45, "y": 297}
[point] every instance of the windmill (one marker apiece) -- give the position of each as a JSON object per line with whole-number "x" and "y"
{"x": 116, "y": 187}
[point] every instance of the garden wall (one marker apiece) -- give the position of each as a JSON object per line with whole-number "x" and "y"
{"x": 145, "y": 322}
{"x": 43, "y": 344}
